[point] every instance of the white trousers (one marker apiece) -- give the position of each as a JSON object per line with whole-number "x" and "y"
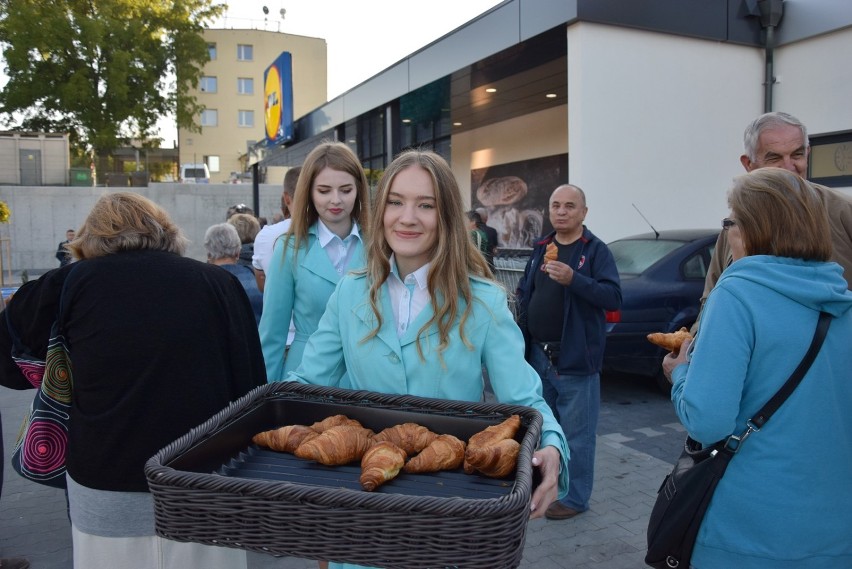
{"x": 151, "y": 552}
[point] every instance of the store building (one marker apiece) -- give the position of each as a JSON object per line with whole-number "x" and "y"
{"x": 641, "y": 103}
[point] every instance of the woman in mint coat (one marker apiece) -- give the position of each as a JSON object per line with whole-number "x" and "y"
{"x": 425, "y": 315}
{"x": 322, "y": 244}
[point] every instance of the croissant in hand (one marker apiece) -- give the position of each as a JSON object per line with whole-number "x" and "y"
{"x": 380, "y": 463}
{"x": 336, "y": 446}
{"x": 446, "y": 452}
{"x": 410, "y": 437}
{"x": 496, "y": 460}
{"x": 285, "y": 439}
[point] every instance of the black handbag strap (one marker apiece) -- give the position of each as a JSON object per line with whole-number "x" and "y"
{"x": 773, "y": 404}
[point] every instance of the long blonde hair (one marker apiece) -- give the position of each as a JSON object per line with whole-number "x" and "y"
{"x": 337, "y": 156}
{"x": 124, "y": 221}
{"x": 449, "y": 279}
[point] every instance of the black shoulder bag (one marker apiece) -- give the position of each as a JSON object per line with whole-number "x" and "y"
{"x": 685, "y": 494}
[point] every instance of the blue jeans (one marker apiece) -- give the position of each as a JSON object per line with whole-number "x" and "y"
{"x": 576, "y": 402}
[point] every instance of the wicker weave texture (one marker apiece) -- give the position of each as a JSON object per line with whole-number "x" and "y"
{"x": 376, "y": 529}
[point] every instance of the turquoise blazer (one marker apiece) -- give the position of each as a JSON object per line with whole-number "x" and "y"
{"x": 300, "y": 290}
{"x": 388, "y": 363}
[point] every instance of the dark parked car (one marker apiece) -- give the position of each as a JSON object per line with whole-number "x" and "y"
{"x": 662, "y": 279}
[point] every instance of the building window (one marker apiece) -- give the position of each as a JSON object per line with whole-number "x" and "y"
{"x": 245, "y": 52}
{"x": 209, "y": 117}
{"x": 245, "y": 85}
{"x": 246, "y": 118}
{"x": 208, "y": 84}
{"x": 830, "y": 160}
{"x": 212, "y": 163}
{"x": 211, "y": 49}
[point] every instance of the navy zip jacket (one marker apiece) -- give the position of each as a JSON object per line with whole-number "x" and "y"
{"x": 594, "y": 289}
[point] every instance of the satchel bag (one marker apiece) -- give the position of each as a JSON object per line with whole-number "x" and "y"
{"x": 685, "y": 494}
{"x": 39, "y": 452}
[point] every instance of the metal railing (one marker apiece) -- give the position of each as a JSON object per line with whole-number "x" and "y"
{"x": 509, "y": 267}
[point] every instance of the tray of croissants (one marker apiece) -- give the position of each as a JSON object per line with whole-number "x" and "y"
{"x": 360, "y": 477}
{"x": 392, "y": 444}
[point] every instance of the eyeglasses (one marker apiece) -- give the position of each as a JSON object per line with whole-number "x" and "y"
{"x": 728, "y": 223}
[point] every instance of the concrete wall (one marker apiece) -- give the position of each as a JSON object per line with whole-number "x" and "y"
{"x": 41, "y": 215}
{"x": 656, "y": 120}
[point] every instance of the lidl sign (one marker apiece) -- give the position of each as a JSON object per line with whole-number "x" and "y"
{"x": 278, "y": 103}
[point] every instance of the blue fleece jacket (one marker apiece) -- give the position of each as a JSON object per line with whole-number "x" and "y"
{"x": 594, "y": 289}
{"x": 786, "y": 499}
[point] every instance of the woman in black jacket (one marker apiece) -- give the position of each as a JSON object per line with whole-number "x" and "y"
{"x": 158, "y": 343}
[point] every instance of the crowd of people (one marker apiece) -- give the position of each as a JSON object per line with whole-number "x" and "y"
{"x": 409, "y": 274}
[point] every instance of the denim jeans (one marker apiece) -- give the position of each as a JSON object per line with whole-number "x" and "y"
{"x": 575, "y": 401}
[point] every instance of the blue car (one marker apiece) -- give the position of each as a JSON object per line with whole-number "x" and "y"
{"x": 662, "y": 279}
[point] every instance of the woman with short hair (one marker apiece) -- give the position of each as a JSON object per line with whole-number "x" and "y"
{"x": 159, "y": 343}
{"x": 785, "y": 500}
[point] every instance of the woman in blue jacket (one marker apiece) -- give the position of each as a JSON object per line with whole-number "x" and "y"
{"x": 424, "y": 317}
{"x": 330, "y": 208}
{"x": 786, "y": 500}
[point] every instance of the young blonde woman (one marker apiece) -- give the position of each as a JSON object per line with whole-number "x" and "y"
{"x": 323, "y": 243}
{"x": 424, "y": 316}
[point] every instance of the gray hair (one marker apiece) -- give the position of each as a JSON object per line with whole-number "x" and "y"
{"x": 767, "y": 121}
{"x": 222, "y": 241}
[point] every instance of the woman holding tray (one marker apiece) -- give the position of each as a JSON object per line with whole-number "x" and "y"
{"x": 159, "y": 343}
{"x": 322, "y": 244}
{"x": 424, "y": 317}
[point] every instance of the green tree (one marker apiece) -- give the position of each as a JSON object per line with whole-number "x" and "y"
{"x": 103, "y": 69}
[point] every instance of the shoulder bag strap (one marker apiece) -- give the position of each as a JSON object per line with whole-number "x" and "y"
{"x": 734, "y": 442}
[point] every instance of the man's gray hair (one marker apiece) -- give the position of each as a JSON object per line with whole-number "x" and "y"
{"x": 222, "y": 241}
{"x": 765, "y": 121}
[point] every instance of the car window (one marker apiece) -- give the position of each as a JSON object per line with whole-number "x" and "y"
{"x": 695, "y": 267}
{"x": 195, "y": 173}
{"x": 633, "y": 256}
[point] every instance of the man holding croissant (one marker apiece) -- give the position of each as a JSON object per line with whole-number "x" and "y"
{"x": 561, "y": 300}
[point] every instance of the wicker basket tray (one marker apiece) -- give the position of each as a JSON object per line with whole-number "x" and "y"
{"x": 214, "y": 486}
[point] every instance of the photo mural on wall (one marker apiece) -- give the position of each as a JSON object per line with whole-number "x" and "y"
{"x": 516, "y": 196}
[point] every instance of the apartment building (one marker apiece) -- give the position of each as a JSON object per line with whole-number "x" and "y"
{"x": 232, "y": 92}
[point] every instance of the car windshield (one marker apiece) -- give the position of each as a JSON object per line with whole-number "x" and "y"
{"x": 194, "y": 172}
{"x": 633, "y": 256}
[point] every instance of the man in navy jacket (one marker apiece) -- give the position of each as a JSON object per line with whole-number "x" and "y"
{"x": 567, "y": 352}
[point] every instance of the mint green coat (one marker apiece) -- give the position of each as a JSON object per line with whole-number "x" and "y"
{"x": 300, "y": 290}
{"x": 388, "y": 363}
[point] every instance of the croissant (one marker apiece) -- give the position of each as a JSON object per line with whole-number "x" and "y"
{"x": 334, "y": 421}
{"x": 671, "y": 341}
{"x": 490, "y": 436}
{"x": 497, "y": 460}
{"x": 410, "y": 437}
{"x": 551, "y": 252}
{"x": 336, "y": 446}
{"x": 380, "y": 463}
{"x": 285, "y": 439}
{"x": 446, "y": 452}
